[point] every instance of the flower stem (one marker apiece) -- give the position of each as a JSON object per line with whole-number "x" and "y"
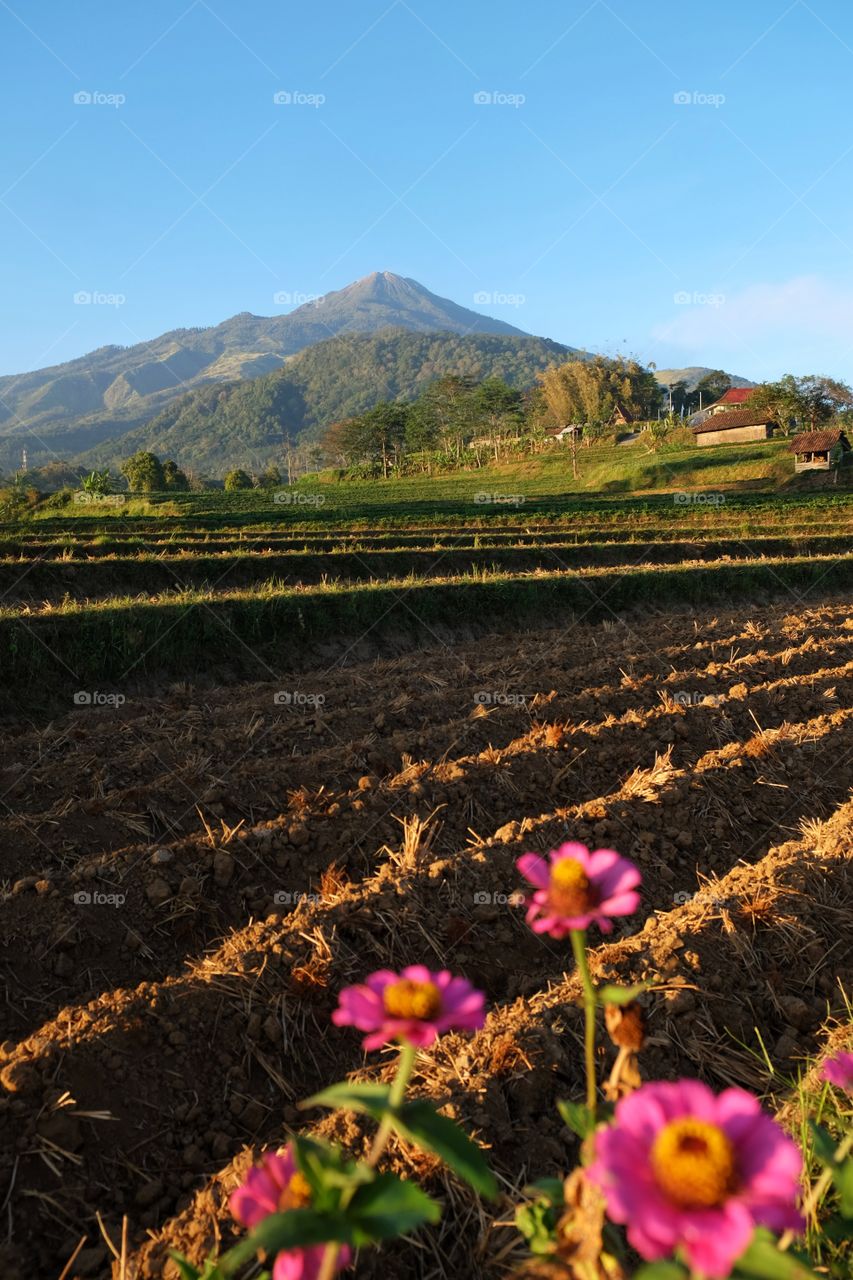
{"x": 405, "y": 1066}
{"x": 589, "y": 1002}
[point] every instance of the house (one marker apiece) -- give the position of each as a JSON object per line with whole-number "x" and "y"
{"x": 736, "y": 426}
{"x": 620, "y": 417}
{"x": 733, "y": 399}
{"x": 564, "y": 434}
{"x": 819, "y": 450}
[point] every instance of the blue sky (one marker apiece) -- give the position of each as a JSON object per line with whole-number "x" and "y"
{"x": 670, "y": 178}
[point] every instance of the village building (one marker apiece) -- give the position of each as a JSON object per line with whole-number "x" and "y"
{"x": 620, "y": 417}
{"x": 731, "y": 400}
{"x": 736, "y": 426}
{"x": 819, "y": 450}
{"x": 564, "y": 434}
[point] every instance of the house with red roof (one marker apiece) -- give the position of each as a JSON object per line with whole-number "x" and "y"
{"x": 732, "y": 400}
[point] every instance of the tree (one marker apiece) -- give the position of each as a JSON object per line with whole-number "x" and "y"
{"x": 586, "y": 391}
{"x": 97, "y": 482}
{"x": 238, "y": 479}
{"x": 499, "y": 408}
{"x": 808, "y": 401}
{"x": 712, "y": 387}
{"x": 144, "y": 472}
{"x": 174, "y": 478}
{"x": 270, "y": 477}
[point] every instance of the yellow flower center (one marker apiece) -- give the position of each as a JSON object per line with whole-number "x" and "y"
{"x": 694, "y": 1163}
{"x": 409, "y": 999}
{"x": 297, "y": 1193}
{"x": 570, "y": 892}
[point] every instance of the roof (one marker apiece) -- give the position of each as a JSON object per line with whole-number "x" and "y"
{"x": 735, "y": 395}
{"x": 818, "y": 441}
{"x": 736, "y": 418}
{"x": 619, "y": 411}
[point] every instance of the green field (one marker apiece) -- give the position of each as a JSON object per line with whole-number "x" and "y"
{"x": 254, "y": 583}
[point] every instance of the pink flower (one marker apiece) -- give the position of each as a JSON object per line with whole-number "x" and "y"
{"x": 578, "y": 889}
{"x": 275, "y": 1186}
{"x": 684, "y": 1168}
{"x": 839, "y": 1071}
{"x": 414, "y": 1005}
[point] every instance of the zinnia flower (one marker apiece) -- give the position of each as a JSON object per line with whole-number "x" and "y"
{"x": 684, "y": 1168}
{"x": 414, "y": 1005}
{"x": 578, "y": 889}
{"x": 839, "y": 1071}
{"x": 275, "y": 1186}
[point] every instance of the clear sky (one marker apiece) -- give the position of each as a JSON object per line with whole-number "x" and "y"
{"x": 669, "y": 177}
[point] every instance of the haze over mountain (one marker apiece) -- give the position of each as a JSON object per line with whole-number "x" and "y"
{"x": 68, "y": 408}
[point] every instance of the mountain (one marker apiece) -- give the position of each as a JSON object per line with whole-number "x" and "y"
{"x": 245, "y": 423}
{"x": 69, "y": 408}
{"x": 693, "y": 375}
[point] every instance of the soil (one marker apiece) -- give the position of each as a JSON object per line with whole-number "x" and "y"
{"x": 192, "y": 876}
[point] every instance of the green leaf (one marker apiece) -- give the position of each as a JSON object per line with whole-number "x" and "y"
{"x": 661, "y": 1271}
{"x": 186, "y": 1268}
{"x": 327, "y": 1171}
{"x": 550, "y": 1189}
{"x": 389, "y": 1207}
{"x": 190, "y": 1272}
{"x": 824, "y": 1147}
{"x": 369, "y": 1099}
{"x": 621, "y": 995}
{"x": 764, "y": 1261}
{"x": 420, "y": 1122}
{"x": 577, "y": 1117}
{"x": 538, "y": 1224}
{"x": 295, "y": 1229}
{"x": 842, "y": 1176}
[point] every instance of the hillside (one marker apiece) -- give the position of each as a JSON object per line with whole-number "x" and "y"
{"x": 69, "y": 408}
{"x": 693, "y": 375}
{"x": 245, "y": 423}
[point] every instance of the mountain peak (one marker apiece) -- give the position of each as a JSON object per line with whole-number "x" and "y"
{"x": 384, "y": 299}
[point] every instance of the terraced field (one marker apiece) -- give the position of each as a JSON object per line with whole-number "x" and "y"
{"x": 310, "y": 752}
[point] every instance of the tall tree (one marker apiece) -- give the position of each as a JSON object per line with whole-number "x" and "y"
{"x": 807, "y": 401}
{"x": 144, "y": 472}
{"x": 586, "y": 391}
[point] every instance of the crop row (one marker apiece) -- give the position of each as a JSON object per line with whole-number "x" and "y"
{"x": 277, "y": 628}
{"x": 156, "y": 571}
